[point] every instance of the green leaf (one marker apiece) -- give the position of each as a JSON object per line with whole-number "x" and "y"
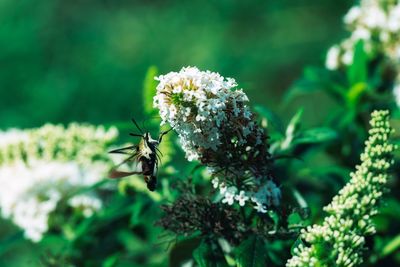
{"x": 137, "y": 209}
{"x": 316, "y": 79}
{"x": 391, "y": 246}
{"x": 358, "y": 71}
{"x": 8, "y": 242}
{"x": 294, "y": 123}
{"x": 149, "y": 90}
{"x": 252, "y": 253}
{"x": 80, "y": 229}
{"x": 182, "y": 251}
{"x": 111, "y": 261}
{"x": 271, "y": 117}
{"x": 209, "y": 255}
{"x": 311, "y": 81}
{"x": 299, "y": 198}
{"x": 291, "y": 130}
{"x": 297, "y": 243}
{"x": 354, "y": 93}
{"x": 316, "y": 135}
{"x": 278, "y": 251}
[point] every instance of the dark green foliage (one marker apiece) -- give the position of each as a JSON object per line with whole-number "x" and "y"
{"x": 252, "y": 253}
{"x": 209, "y": 254}
{"x": 69, "y": 61}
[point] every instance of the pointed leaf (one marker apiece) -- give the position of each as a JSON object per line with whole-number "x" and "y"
{"x": 358, "y": 70}
{"x": 209, "y": 255}
{"x": 294, "y": 123}
{"x": 297, "y": 243}
{"x": 137, "y": 209}
{"x": 316, "y": 135}
{"x": 252, "y": 253}
{"x": 271, "y": 117}
{"x": 316, "y": 79}
{"x": 392, "y": 246}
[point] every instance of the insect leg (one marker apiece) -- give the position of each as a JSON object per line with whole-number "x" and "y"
{"x": 158, "y": 150}
{"x": 162, "y": 134}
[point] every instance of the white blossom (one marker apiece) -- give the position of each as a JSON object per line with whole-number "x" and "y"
{"x": 216, "y": 126}
{"x": 40, "y": 167}
{"x": 222, "y": 188}
{"x": 377, "y": 24}
{"x": 87, "y": 203}
{"x": 242, "y": 198}
{"x": 396, "y": 92}
{"x": 332, "y": 58}
{"x": 199, "y": 105}
{"x": 229, "y": 195}
{"x": 268, "y": 194}
{"x": 215, "y": 182}
{"x": 259, "y": 207}
{"x": 353, "y": 14}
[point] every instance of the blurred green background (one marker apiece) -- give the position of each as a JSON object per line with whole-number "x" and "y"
{"x": 85, "y": 60}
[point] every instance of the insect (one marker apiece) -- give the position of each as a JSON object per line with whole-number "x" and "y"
{"x": 143, "y": 158}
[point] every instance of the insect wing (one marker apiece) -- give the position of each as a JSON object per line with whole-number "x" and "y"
{"x": 115, "y": 174}
{"x": 124, "y": 150}
{"x": 127, "y": 167}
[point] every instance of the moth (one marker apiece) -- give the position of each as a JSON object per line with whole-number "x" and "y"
{"x": 143, "y": 158}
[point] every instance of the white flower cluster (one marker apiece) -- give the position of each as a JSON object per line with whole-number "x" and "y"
{"x": 339, "y": 241}
{"x": 199, "y": 105}
{"x": 41, "y": 167}
{"x": 377, "y": 24}
{"x": 216, "y": 126}
{"x": 88, "y": 203}
{"x": 80, "y": 142}
{"x": 268, "y": 194}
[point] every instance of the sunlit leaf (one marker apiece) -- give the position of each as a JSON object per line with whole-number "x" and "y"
{"x": 149, "y": 90}
{"x": 391, "y": 246}
{"x": 358, "y": 70}
{"x": 111, "y": 261}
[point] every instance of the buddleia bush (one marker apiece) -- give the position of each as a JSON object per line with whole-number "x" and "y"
{"x": 361, "y": 74}
{"x": 241, "y": 169}
{"x": 237, "y": 185}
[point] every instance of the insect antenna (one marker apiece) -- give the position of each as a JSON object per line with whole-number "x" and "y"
{"x": 137, "y": 126}
{"x": 144, "y": 125}
{"x": 136, "y": 135}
